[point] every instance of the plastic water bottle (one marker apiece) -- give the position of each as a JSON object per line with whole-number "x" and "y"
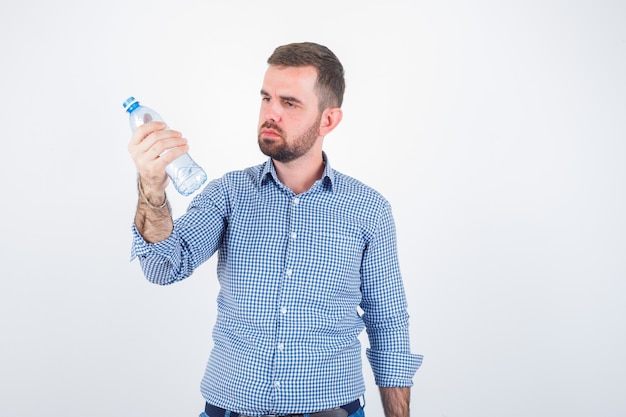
{"x": 186, "y": 175}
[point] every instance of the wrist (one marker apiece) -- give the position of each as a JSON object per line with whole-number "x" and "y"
{"x": 156, "y": 200}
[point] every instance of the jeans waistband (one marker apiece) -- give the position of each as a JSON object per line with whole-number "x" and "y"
{"x": 350, "y": 408}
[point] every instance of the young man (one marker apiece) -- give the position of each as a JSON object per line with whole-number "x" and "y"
{"x": 300, "y": 248}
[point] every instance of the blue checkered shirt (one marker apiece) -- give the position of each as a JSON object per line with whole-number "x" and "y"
{"x": 293, "y": 272}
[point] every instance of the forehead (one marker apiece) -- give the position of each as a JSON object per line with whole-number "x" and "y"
{"x": 282, "y": 81}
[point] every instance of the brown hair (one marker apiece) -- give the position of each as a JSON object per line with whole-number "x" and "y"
{"x": 330, "y": 75}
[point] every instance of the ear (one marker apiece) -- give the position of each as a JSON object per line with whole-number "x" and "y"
{"x": 330, "y": 119}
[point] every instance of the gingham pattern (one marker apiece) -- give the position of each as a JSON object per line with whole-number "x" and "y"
{"x": 292, "y": 271}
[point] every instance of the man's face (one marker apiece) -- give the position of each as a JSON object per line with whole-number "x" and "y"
{"x": 289, "y": 119}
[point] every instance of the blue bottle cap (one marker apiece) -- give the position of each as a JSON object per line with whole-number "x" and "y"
{"x": 131, "y": 104}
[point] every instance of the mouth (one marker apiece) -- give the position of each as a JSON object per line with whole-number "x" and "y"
{"x": 270, "y": 131}
{"x": 269, "y": 134}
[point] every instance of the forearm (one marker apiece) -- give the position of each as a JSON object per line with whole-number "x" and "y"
{"x": 395, "y": 401}
{"x": 147, "y": 147}
{"x": 153, "y": 217}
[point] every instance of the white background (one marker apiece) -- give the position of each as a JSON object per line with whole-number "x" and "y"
{"x": 496, "y": 129}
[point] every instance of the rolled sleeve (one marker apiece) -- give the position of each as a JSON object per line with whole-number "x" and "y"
{"x": 393, "y": 369}
{"x": 385, "y": 308}
{"x": 160, "y": 261}
{"x": 195, "y": 237}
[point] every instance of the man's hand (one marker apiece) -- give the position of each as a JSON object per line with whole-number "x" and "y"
{"x": 152, "y": 148}
{"x": 147, "y": 148}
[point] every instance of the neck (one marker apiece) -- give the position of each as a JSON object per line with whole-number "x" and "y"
{"x": 300, "y": 174}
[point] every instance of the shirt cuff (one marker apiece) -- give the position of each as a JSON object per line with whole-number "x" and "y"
{"x": 142, "y": 249}
{"x": 393, "y": 369}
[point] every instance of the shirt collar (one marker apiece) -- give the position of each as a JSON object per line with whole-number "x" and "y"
{"x": 269, "y": 171}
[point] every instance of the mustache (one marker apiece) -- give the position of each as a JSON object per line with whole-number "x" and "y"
{"x": 273, "y": 126}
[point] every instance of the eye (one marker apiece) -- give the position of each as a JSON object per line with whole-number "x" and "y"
{"x": 289, "y": 104}
{"x": 265, "y": 98}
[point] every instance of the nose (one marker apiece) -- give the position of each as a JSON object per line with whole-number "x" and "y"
{"x": 270, "y": 111}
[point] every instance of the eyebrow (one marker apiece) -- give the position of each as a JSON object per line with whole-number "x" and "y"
{"x": 285, "y": 98}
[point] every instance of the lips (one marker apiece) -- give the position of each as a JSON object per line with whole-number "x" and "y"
{"x": 270, "y": 130}
{"x": 269, "y": 133}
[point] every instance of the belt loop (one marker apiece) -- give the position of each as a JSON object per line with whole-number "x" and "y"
{"x": 227, "y": 413}
{"x": 306, "y": 415}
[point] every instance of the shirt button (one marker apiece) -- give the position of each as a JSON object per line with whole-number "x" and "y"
{"x": 294, "y": 235}
{"x": 296, "y": 200}
{"x": 281, "y": 347}
{"x": 283, "y": 310}
{"x": 289, "y": 272}
{"x": 276, "y": 384}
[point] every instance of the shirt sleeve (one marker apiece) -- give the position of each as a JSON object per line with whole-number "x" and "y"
{"x": 385, "y": 309}
{"x": 194, "y": 239}
{"x": 159, "y": 261}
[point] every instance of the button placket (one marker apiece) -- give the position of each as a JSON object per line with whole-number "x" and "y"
{"x": 290, "y": 258}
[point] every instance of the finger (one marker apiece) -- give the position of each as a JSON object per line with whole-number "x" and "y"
{"x": 154, "y": 168}
{"x": 145, "y": 130}
{"x": 166, "y": 158}
{"x": 157, "y": 157}
{"x": 160, "y": 146}
{"x": 154, "y": 137}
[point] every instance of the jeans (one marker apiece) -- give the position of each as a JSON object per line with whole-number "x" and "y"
{"x": 358, "y": 413}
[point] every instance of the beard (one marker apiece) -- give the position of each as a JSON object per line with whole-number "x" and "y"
{"x": 282, "y": 151}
